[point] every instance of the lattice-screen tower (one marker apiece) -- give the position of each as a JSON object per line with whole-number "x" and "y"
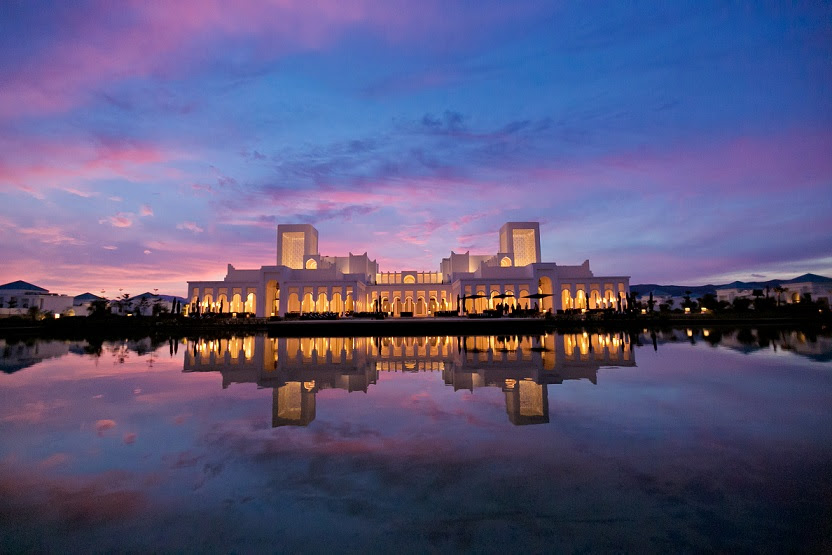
{"x": 521, "y": 240}
{"x": 294, "y": 243}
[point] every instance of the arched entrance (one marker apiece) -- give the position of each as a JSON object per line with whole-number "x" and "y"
{"x": 336, "y": 305}
{"x": 272, "y": 298}
{"x": 580, "y": 299}
{"x": 609, "y": 299}
{"x": 294, "y": 303}
{"x": 544, "y": 287}
{"x": 566, "y": 300}
{"x": 308, "y": 305}
{"x": 523, "y": 302}
{"x": 322, "y": 305}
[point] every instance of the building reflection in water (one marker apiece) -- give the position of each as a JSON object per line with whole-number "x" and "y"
{"x": 297, "y": 368}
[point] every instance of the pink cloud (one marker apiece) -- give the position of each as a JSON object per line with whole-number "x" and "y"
{"x": 741, "y": 165}
{"x": 31, "y": 413}
{"x": 173, "y": 262}
{"x": 79, "y": 499}
{"x": 34, "y": 165}
{"x": 114, "y": 42}
{"x": 49, "y": 235}
{"x": 190, "y": 226}
{"x": 56, "y": 459}
{"x": 102, "y": 426}
{"x": 80, "y": 193}
{"x": 144, "y": 38}
{"x": 145, "y": 210}
{"x": 119, "y": 220}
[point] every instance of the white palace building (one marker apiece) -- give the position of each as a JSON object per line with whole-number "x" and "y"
{"x": 304, "y": 281}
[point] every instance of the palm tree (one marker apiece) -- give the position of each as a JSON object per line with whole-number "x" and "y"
{"x": 779, "y": 289}
{"x": 34, "y": 313}
{"x": 144, "y": 304}
{"x": 97, "y": 307}
{"x": 123, "y": 301}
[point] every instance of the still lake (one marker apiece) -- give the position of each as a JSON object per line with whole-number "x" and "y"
{"x": 685, "y": 440}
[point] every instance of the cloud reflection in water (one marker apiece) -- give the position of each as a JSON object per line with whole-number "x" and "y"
{"x": 415, "y": 442}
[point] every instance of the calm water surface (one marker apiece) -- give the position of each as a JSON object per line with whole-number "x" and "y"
{"x": 689, "y": 440}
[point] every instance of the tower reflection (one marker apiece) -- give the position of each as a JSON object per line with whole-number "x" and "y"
{"x": 297, "y": 368}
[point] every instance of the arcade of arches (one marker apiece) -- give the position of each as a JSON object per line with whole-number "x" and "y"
{"x": 399, "y": 301}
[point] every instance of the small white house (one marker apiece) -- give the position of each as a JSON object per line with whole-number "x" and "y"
{"x": 729, "y": 294}
{"x": 82, "y": 303}
{"x": 18, "y": 297}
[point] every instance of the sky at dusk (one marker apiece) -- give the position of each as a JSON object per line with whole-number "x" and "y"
{"x": 144, "y": 144}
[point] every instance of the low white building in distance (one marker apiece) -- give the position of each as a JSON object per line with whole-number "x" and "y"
{"x": 18, "y": 297}
{"x": 303, "y": 281}
{"x": 83, "y": 303}
{"x": 791, "y": 293}
{"x": 819, "y": 292}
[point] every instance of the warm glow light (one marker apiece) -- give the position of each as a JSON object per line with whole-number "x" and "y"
{"x": 57, "y": 316}
{"x": 687, "y": 310}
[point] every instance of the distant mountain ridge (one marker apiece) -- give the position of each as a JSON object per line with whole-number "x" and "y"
{"x": 699, "y": 290}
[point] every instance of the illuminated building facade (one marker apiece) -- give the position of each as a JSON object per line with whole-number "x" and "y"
{"x": 304, "y": 281}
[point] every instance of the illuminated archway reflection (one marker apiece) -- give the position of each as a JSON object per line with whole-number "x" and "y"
{"x": 523, "y": 366}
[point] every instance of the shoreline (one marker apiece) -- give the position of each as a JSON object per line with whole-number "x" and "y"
{"x": 346, "y": 327}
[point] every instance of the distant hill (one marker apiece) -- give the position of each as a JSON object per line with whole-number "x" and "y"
{"x": 699, "y": 290}
{"x": 812, "y": 278}
{"x": 674, "y": 290}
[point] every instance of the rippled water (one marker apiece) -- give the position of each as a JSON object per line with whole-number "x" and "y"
{"x": 686, "y": 440}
